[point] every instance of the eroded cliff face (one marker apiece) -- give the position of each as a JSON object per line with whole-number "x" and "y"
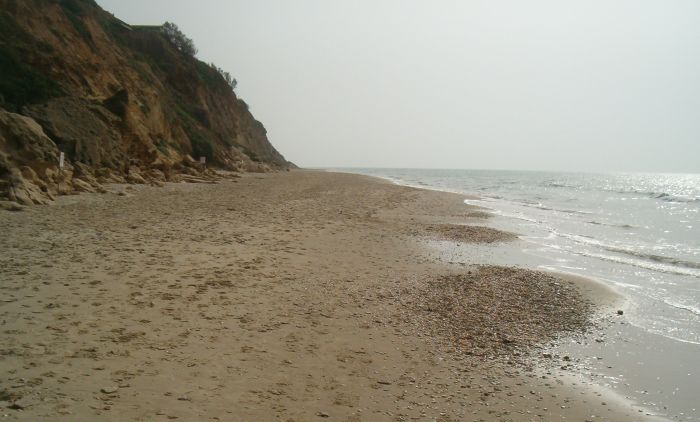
{"x": 121, "y": 102}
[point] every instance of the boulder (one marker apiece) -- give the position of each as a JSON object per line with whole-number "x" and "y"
{"x": 25, "y": 153}
{"x": 25, "y": 192}
{"x": 134, "y": 176}
{"x": 23, "y": 141}
{"x": 106, "y": 175}
{"x": 80, "y": 185}
{"x": 85, "y": 172}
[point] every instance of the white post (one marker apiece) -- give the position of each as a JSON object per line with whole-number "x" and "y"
{"x": 61, "y": 163}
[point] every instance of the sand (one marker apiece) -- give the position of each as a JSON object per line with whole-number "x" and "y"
{"x": 280, "y": 296}
{"x": 469, "y": 233}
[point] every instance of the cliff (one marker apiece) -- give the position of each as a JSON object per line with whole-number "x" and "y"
{"x": 123, "y": 103}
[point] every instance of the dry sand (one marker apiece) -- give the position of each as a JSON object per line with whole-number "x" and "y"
{"x": 274, "y": 297}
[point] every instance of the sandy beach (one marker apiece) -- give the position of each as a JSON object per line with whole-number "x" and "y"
{"x": 292, "y": 296}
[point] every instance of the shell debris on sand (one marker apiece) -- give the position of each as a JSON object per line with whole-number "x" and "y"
{"x": 470, "y": 234}
{"x": 499, "y": 311}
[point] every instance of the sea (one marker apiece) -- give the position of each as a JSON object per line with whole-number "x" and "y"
{"x": 637, "y": 232}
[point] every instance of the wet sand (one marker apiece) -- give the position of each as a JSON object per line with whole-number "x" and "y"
{"x": 271, "y": 297}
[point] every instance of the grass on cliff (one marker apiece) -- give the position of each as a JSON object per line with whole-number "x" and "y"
{"x": 162, "y": 146}
{"x": 21, "y": 83}
{"x": 202, "y": 147}
{"x": 76, "y": 11}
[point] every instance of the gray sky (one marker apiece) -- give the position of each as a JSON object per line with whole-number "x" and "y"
{"x": 588, "y": 85}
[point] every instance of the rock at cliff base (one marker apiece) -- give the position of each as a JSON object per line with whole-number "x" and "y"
{"x": 10, "y": 206}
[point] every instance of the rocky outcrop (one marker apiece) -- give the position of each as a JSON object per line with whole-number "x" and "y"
{"x": 86, "y": 132}
{"x": 123, "y": 104}
{"x": 25, "y": 152}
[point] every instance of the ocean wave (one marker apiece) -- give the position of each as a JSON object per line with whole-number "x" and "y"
{"x": 645, "y": 325}
{"x": 666, "y": 260}
{"x": 540, "y": 206}
{"x": 656, "y": 258}
{"x": 421, "y": 185}
{"x": 662, "y": 196}
{"x": 502, "y": 213}
{"x": 558, "y": 184}
{"x": 527, "y": 202}
{"x": 689, "y": 308}
{"x": 574, "y": 211}
{"x": 667, "y": 197}
{"x": 659, "y": 267}
{"x": 622, "y": 226}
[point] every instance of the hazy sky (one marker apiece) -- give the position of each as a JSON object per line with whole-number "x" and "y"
{"x": 588, "y": 85}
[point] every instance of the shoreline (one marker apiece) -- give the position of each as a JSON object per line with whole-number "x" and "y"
{"x": 607, "y": 298}
{"x": 239, "y": 289}
{"x": 596, "y": 361}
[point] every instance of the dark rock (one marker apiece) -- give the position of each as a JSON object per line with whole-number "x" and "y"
{"x": 117, "y": 103}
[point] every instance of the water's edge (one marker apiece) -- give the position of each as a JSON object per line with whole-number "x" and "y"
{"x": 618, "y": 356}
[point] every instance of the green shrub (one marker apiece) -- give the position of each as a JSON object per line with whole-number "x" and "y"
{"x": 77, "y": 7}
{"x": 21, "y": 85}
{"x": 201, "y": 147}
{"x": 162, "y": 146}
{"x": 179, "y": 39}
{"x": 75, "y": 11}
{"x": 206, "y": 74}
{"x": 230, "y": 80}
